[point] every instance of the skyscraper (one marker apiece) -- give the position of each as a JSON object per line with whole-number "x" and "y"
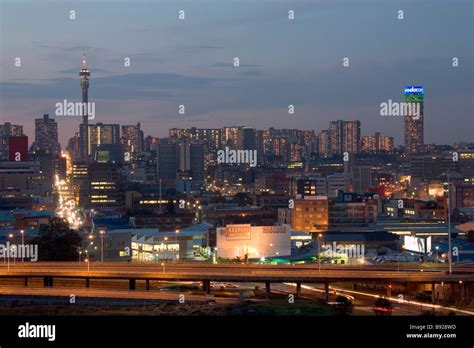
{"x": 345, "y": 137}
{"x": 197, "y": 162}
{"x": 191, "y": 159}
{"x": 104, "y": 138}
{"x": 324, "y": 143}
{"x": 167, "y": 160}
{"x": 210, "y": 137}
{"x": 83, "y": 130}
{"x": 132, "y": 141}
{"x": 46, "y": 136}
{"x": 377, "y": 143}
{"x": 246, "y": 138}
{"x": 6, "y": 131}
{"x": 414, "y": 124}
{"x": 229, "y": 136}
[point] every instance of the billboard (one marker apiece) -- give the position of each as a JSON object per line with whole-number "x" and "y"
{"x": 414, "y": 94}
{"x": 417, "y": 244}
{"x": 418, "y": 90}
{"x": 237, "y": 232}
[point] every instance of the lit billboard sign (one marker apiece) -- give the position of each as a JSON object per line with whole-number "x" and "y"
{"x": 417, "y": 244}
{"x": 237, "y": 232}
{"x": 414, "y": 90}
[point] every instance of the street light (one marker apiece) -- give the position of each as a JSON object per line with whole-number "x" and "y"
{"x": 437, "y": 249}
{"x": 450, "y": 262}
{"x": 163, "y": 265}
{"x": 320, "y": 236}
{"x": 177, "y": 251}
{"x": 87, "y": 260}
{"x": 9, "y": 249}
{"x": 398, "y": 256}
{"x": 177, "y": 232}
{"x": 102, "y": 233}
{"x": 22, "y": 244}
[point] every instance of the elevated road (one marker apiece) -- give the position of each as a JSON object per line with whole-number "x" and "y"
{"x": 231, "y": 273}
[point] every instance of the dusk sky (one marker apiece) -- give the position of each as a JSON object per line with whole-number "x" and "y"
{"x": 283, "y": 62}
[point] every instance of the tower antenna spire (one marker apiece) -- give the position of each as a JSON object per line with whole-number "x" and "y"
{"x": 84, "y": 61}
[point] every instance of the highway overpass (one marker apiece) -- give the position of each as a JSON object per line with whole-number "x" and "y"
{"x": 235, "y": 273}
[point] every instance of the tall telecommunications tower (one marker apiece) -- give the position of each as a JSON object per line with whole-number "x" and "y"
{"x": 84, "y": 128}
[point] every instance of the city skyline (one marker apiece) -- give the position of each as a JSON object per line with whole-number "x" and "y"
{"x": 196, "y": 68}
{"x": 203, "y": 163}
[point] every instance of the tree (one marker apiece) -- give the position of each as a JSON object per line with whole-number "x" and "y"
{"x": 57, "y": 242}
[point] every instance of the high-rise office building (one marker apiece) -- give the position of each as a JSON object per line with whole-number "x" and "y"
{"x": 84, "y": 75}
{"x": 184, "y": 148}
{"x": 46, "y": 136}
{"x": 191, "y": 159}
{"x": 414, "y": 124}
{"x": 230, "y": 136}
{"x": 246, "y": 138}
{"x": 345, "y": 137}
{"x": 167, "y": 160}
{"x": 104, "y": 140}
{"x": 351, "y": 139}
{"x": 377, "y": 143}
{"x": 260, "y": 138}
{"x": 73, "y": 148}
{"x": 197, "y": 162}
{"x": 132, "y": 141}
{"x": 361, "y": 178}
{"x": 6, "y": 131}
{"x": 210, "y": 137}
{"x": 105, "y": 186}
{"x": 324, "y": 143}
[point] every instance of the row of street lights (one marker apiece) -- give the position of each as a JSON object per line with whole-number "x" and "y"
{"x": 10, "y": 236}
{"x": 90, "y": 237}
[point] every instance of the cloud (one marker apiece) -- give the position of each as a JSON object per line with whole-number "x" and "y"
{"x": 131, "y": 86}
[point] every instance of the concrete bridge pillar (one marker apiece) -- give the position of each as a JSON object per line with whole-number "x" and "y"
{"x": 48, "y": 282}
{"x": 148, "y": 284}
{"x": 206, "y": 286}
{"x": 298, "y": 289}
{"x": 267, "y": 290}
{"x": 87, "y": 283}
{"x": 25, "y": 282}
{"x": 132, "y": 284}
{"x": 326, "y": 292}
